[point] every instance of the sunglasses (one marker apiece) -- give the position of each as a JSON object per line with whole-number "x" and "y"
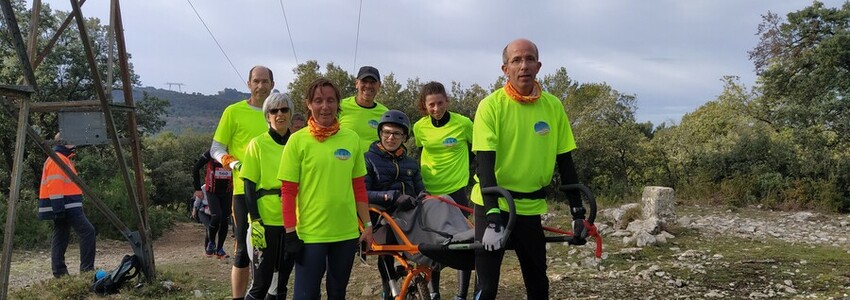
{"x": 274, "y": 111}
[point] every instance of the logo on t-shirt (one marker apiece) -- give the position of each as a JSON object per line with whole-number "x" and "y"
{"x": 342, "y": 154}
{"x": 449, "y": 142}
{"x": 373, "y": 123}
{"x": 541, "y": 128}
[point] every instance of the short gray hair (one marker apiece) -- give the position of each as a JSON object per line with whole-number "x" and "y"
{"x": 276, "y": 100}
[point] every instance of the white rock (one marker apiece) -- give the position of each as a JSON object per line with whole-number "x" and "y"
{"x": 758, "y": 295}
{"x": 660, "y": 203}
{"x": 197, "y": 293}
{"x": 620, "y": 233}
{"x": 803, "y": 216}
{"x": 684, "y": 221}
{"x": 713, "y": 294}
{"x": 660, "y": 239}
{"x": 635, "y": 226}
{"x": 645, "y": 239}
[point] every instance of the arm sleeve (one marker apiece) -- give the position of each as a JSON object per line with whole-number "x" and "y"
{"x": 567, "y": 169}
{"x": 288, "y": 193}
{"x": 198, "y": 203}
{"x": 196, "y": 169}
{"x": 251, "y": 197}
{"x": 487, "y": 178}
{"x": 217, "y": 150}
{"x": 377, "y": 197}
{"x": 471, "y": 155}
{"x": 359, "y": 185}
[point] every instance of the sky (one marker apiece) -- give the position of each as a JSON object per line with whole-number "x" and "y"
{"x": 670, "y": 54}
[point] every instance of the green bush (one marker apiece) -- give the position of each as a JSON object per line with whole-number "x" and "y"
{"x": 114, "y": 195}
{"x": 30, "y": 232}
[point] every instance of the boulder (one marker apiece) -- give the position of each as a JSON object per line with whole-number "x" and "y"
{"x": 660, "y": 203}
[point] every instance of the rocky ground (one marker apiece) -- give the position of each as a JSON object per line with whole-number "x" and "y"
{"x": 711, "y": 253}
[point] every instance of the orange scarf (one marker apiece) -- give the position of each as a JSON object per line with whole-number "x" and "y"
{"x": 512, "y": 92}
{"x": 398, "y": 152}
{"x": 321, "y": 133}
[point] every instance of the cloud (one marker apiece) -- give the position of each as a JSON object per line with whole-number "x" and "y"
{"x": 671, "y": 54}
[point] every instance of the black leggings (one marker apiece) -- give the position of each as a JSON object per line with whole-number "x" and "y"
{"x": 219, "y": 210}
{"x": 240, "y": 225}
{"x": 266, "y": 262}
{"x": 528, "y": 242}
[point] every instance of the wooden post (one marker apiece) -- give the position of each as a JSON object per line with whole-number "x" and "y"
{"x": 15, "y": 191}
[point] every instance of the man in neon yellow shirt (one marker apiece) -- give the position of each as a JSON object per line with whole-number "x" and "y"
{"x": 361, "y": 113}
{"x": 239, "y": 123}
{"x": 520, "y": 134}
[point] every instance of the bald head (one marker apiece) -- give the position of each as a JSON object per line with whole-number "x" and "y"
{"x": 518, "y": 43}
{"x": 261, "y": 83}
{"x": 261, "y": 69}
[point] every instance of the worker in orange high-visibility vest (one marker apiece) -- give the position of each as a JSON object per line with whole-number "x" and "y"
{"x": 61, "y": 200}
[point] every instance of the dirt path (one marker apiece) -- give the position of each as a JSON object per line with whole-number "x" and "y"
{"x": 694, "y": 265}
{"x": 182, "y": 244}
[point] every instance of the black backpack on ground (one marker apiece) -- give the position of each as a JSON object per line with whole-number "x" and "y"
{"x": 112, "y": 282}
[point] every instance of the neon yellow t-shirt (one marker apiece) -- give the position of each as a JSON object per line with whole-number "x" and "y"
{"x": 260, "y": 165}
{"x": 239, "y": 123}
{"x": 363, "y": 121}
{"x": 325, "y": 210}
{"x": 445, "y": 153}
{"x": 526, "y": 138}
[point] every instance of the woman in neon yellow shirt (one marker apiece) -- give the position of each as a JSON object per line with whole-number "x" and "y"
{"x": 324, "y": 195}
{"x": 262, "y": 195}
{"x": 445, "y": 138}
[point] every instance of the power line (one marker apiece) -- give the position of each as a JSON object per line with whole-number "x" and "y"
{"x": 216, "y": 41}
{"x": 357, "y": 39}
{"x": 290, "y": 32}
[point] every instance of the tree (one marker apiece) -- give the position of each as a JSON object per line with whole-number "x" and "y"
{"x": 803, "y": 65}
{"x": 308, "y": 71}
{"x": 64, "y": 75}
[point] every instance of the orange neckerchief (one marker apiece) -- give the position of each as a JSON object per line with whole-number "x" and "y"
{"x": 322, "y": 133}
{"x": 512, "y": 92}
{"x": 398, "y": 152}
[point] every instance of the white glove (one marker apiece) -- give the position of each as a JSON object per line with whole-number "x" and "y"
{"x": 235, "y": 165}
{"x": 493, "y": 236}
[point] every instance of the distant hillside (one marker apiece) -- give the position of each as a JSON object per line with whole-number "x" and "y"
{"x": 196, "y": 111}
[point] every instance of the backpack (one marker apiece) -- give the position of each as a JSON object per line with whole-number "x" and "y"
{"x": 112, "y": 282}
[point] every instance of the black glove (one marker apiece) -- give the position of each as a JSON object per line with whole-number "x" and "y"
{"x": 405, "y": 202}
{"x": 390, "y": 197}
{"x": 293, "y": 246}
{"x": 579, "y": 232}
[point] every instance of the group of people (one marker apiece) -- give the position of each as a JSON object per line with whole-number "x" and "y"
{"x": 299, "y": 197}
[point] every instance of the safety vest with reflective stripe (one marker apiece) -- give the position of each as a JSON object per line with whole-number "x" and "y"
{"x": 55, "y": 185}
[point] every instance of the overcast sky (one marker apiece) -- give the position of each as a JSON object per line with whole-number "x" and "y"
{"x": 670, "y": 54}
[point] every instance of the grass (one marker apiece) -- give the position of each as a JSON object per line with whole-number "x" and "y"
{"x": 733, "y": 266}
{"x": 175, "y": 281}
